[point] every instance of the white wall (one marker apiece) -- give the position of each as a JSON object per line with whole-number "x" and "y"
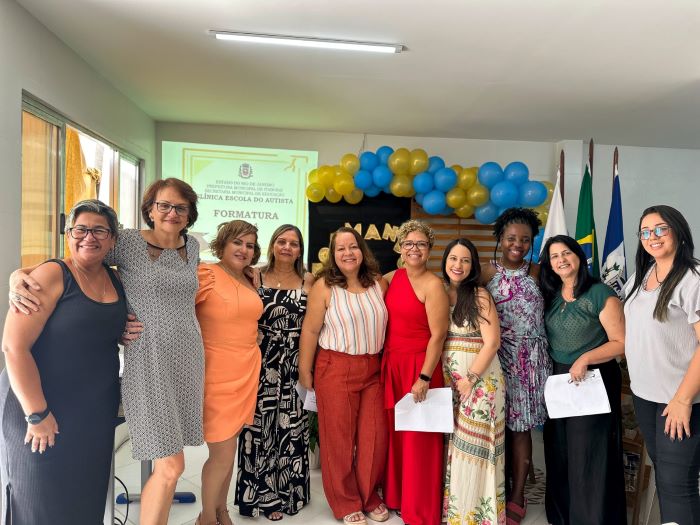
{"x": 331, "y": 146}
{"x": 33, "y": 59}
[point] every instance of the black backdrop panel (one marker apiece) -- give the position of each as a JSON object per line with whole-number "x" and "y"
{"x": 378, "y": 216}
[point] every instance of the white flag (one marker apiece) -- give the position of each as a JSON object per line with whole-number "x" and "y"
{"x": 556, "y": 220}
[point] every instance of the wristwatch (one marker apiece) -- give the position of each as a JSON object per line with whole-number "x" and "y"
{"x": 424, "y": 377}
{"x": 37, "y": 417}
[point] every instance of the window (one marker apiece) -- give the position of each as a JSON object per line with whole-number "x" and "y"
{"x": 62, "y": 164}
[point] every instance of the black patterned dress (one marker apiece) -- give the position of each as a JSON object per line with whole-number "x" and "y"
{"x": 273, "y": 461}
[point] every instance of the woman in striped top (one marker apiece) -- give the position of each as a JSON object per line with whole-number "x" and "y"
{"x": 346, "y": 319}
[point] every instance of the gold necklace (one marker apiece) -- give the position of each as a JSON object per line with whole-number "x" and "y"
{"x": 82, "y": 273}
{"x": 285, "y": 276}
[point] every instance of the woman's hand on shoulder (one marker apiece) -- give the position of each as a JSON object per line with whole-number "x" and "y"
{"x": 21, "y": 298}
{"x": 254, "y": 276}
{"x": 132, "y": 330}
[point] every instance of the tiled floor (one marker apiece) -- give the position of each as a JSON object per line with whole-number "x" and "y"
{"x": 316, "y": 513}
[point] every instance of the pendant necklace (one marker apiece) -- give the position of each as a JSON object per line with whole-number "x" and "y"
{"x": 84, "y": 276}
{"x": 656, "y": 274}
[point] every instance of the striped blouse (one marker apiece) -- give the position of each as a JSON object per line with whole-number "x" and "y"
{"x": 354, "y": 323}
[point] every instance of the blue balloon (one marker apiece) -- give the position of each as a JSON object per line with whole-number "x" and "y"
{"x": 532, "y": 193}
{"x": 447, "y": 210}
{"x": 423, "y": 182}
{"x": 517, "y": 173}
{"x": 445, "y": 179}
{"x": 387, "y": 189}
{"x": 383, "y": 154}
{"x": 372, "y": 191}
{"x": 381, "y": 176}
{"x": 419, "y": 198}
{"x": 536, "y": 247}
{"x": 368, "y": 161}
{"x": 504, "y": 194}
{"x": 490, "y": 174}
{"x": 435, "y": 163}
{"x": 487, "y": 213}
{"x": 502, "y": 210}
{"x": 434, "y": 202}
{"x": 363, "y": 179}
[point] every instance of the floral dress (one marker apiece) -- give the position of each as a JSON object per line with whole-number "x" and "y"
{"x": 474, "y": 474}
{"x": 524, "y": 349}
{"x": 273, "y": 459}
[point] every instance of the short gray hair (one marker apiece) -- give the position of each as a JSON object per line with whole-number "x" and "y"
{"x": 94, "y": 206}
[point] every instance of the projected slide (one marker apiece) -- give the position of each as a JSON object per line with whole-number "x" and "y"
{"x": 262, "y": 186}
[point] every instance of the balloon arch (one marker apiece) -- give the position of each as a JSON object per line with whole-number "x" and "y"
{"x": 483, "y": 192}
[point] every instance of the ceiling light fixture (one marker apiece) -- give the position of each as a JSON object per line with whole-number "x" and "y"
{"x": 319, "y": 43}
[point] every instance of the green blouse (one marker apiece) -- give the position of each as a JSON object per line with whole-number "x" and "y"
{"x": 574, "y": 328}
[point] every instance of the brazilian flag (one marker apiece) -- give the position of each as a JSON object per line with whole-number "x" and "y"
{"x": 585, "y": 224}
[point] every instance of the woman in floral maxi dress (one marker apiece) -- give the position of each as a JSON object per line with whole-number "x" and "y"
{"x": 474, "y": 477}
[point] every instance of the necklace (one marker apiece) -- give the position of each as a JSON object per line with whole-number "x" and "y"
{"x": 84, "y": 276}
{"x": 279, "y": 280}
{"x": 564, "y": 300}
{"x": 656, "y": 274}
{"x": 234, "y": 278}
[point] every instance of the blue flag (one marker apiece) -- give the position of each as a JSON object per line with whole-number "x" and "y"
{"x": 614, "y": 272}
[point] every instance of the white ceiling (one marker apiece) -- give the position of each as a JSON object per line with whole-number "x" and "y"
{"x": 622, "y": 72}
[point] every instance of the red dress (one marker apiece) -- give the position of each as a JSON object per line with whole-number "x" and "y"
{"x": 414, "y": 470}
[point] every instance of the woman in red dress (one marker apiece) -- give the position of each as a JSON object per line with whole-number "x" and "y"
{"x": 418, "y": 320}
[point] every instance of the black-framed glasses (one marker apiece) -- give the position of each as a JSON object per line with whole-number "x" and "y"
{"x": 80, "y": 232}
{"x": 409, "y": 245}
{"x": 165, "y": 207}
{"x": 659, "y": 231}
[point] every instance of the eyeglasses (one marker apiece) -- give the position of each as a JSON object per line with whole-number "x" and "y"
{"x": 165, "y": 207}
{"x": 659, "y": 231}
{"x": 80, "y": 232}
{"x": 409, "y": 245}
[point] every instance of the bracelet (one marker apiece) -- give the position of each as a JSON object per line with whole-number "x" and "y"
{"x": 424, "y": 377}
{"x": 472, "y": 377}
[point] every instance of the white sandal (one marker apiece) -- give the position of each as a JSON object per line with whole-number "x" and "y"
{"x": 348, "y": 521}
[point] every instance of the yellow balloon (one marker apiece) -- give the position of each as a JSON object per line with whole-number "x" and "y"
{"x": 332, "y": 195}
{"x": 456, "y": 197}
{"x": 344, "y": 184}
{"x": 314, "y": 192}
{"x": 411, "y": 193}
{"x": 313, "y": 176}
{"x": 418, "y": 161}
{"x": 399, "y": 162}
{"x": 542, "y": 213}
{"x": 323, "y": 254}
{"x": 457, "y": 168}
{"x": 350, "y": 163}
{"x": 326, "y": 176}
{"x": 466, "y": 178}
{"x": 401, "y": 185}
{"x": 465, "y": 211}
{"x": 477, "y": 195}
{"x": 550, "y": 191}
{"x": 354, "y": 196}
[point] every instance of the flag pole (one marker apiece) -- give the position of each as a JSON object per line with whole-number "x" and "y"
{"x": 561, "y": 175}
{"x": 590, "y": 157}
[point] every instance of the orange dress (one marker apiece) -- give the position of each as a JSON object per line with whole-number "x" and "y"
{"x": 228, "y": 314}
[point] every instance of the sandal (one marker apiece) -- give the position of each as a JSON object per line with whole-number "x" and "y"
{"x": 222, "y": 515}
{"x": 381, "y": 513}
{"x": 274, "y": 515}
{"x": 517, "y": 510}
{"x": 361, "y": 521}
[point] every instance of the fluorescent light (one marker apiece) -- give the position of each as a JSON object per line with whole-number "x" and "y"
{"x": 296, "y": 41}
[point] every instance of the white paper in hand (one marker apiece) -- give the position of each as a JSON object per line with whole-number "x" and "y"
{"x": 566, "y": 398}
{"x": 310, "y": 401}
{"x": 301, "y": 391}
{"x": 432, "y": 415}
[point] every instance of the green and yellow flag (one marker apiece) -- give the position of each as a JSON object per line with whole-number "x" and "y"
{"x": 585, "y": 224}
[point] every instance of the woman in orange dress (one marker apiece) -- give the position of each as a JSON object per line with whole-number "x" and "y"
{"x": 228, "y": 309}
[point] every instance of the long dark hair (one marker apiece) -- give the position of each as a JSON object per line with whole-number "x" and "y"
{"x": 466, "y": 310}
{"x": 551, "y": 283}
{"x": 517, "y": 216}
{"x": 683, "y": 260}
{"x": 369, "y": 269}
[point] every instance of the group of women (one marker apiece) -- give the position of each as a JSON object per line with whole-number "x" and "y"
{"x": 214, "y": 353}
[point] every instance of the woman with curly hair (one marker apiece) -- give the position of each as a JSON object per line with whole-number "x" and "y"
{"x": 512, "y": 281}
{"x": 346, "y": 320}
{"x": 418, "y": 319}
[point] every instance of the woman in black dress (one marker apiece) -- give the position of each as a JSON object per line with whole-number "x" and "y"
{"x": 62, "y": 373}
{"x": 273, "y": 464}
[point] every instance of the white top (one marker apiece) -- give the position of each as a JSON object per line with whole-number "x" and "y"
{"x": 658, "y": 354}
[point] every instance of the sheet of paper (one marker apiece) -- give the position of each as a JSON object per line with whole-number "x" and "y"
{"x": 566, "y": 398}
{"x": 432, "y": 415}
{"x": 310, "y": 401}
{"x": 301, "y": 391}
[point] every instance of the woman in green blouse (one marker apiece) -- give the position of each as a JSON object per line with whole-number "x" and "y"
{"x": 586, "y": 329}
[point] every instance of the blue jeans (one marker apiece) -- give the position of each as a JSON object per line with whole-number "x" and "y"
{"x": 676, "y": 463}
